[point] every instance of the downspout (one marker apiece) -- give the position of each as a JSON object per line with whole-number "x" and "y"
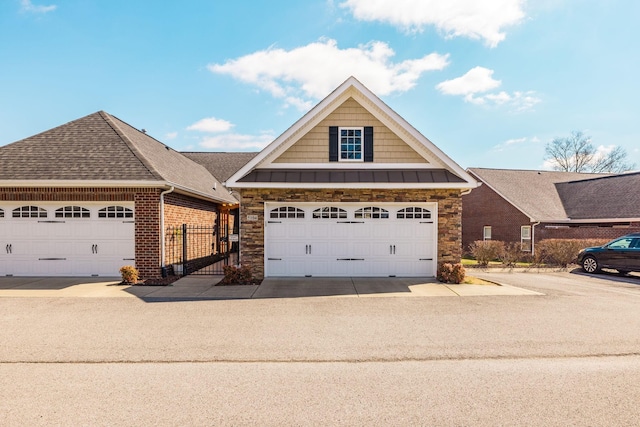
{"x": 162, "y": 230}
{"x": 533, "y": 237}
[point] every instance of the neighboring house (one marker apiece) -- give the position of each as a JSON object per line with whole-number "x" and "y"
{"x": 351, "y": 189}
{"x": 92, "y": 195}
{"x": 220, "y": 164}
{"x": 526, "y": 206}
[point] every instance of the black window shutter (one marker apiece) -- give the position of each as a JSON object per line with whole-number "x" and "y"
{"x": 333, "y": 143}
{"x": 368, "y": 144}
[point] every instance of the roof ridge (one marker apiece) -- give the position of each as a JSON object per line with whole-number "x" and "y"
{"x": 130, "y": 144}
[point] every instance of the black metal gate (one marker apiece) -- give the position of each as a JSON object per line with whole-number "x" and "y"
{"x": 198, "y": 249}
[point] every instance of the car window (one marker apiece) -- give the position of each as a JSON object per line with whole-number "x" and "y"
{"x": 635, "y": 244}
{"x": 623, "y": 243}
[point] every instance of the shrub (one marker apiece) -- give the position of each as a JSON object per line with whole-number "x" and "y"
{"x": 129, "y": 274}
{"x": 562, "y": 252}
{"x": 237, "y": 275}
{"x": 512, "y": 253}
{"x": 486, "y": 250}
{"x": 451, "y": 273}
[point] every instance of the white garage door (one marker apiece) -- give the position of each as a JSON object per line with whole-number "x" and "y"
{"x": 66, "y": 239}
{"x": 337, "y": 240}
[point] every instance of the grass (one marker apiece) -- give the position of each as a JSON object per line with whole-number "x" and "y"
{"x": 468, "y": 262}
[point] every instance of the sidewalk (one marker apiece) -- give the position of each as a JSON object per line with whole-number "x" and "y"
{"x": 192, "y": 288}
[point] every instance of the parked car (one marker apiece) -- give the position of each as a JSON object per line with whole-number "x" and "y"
{"x": 622, "y": 254}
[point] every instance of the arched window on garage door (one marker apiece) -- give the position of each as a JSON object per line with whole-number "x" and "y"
{"x": 73, "y": 212}
{"x": 329, "y": 212}
{"x": 414, "y": 213}
{"x": 29, "y": 212}
{"x": 115, "y": 212}
{"x": 372, "y": 212}
{"x": 286, "y": 212}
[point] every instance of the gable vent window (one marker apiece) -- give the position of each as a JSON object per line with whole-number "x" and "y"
{"x": 351, "y": 144}
{"x": 329, "y": 212}
{"x": 414, "y": 213}
{"x": 115, "y": 212}
{"x": 72, "y": 212}
{"x": 29, "y": 212}
{"x": 371, "y": 212}
{"x": 286, "y": 212}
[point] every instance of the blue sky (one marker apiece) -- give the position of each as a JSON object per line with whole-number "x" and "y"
{"x": 490, "y": 83}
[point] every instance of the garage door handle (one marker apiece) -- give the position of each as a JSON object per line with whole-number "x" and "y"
{"x": 425, "y": 259}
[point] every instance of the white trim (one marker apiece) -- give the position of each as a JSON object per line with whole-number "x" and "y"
{"x": 348, "y": 128}
{"x": 587, "y": 221}
{"x": 395, "y": 185}
{"x": 370, "y": 165}
{"x": 352, "y": 88}
{"x": 67, "y": 183}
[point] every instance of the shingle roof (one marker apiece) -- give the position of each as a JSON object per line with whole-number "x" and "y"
{"x": 337, "y": 176}
{"x": 221, "y": 165}
{"x": 101, "y": 147}
{"x": 533, "y": 192}
{"x": 608, "y": 197}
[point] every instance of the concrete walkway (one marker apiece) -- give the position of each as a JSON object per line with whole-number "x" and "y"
{"x": 191, "y": 288}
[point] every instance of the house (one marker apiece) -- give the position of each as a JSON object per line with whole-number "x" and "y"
{"x": 92, "y": 195}
{"x": 527, "y": 206}
{"x": 351, "y": 189}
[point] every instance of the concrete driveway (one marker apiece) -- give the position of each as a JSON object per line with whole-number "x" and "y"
{"x": 204, "y": 288}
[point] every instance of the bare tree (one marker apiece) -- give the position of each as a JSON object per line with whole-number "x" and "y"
{"x": 576, "y": 153}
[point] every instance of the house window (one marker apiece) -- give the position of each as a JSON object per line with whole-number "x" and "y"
{"x": 486, "y": 232}
{"x": 115, "y": 212}
{"x": 525, "y": 238}
{"x": 372, "y": 212}
{"x": 329, "y": 212}
{"x": 413, "y": 213}
{"x": 29, "y": 212}
{"x": 286, "y": 212}
{"x": 351, "y": 144}
{"x": 72, "y": 212}
{"x": 1, "y": 213}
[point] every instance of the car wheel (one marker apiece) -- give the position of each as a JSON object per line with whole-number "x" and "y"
{"x": 590, "y": 265}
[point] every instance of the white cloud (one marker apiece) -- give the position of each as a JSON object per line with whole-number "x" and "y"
{"x": 171, "y": 135}
{"x": 211, "y": 125}
{"x": 455, "y": 18}
{"x": 476, "y": 80}
{"x": 515, "y": 143}
{"x": 27, "y": 6}
{"x": 237, "y": 142}
{"x": 479, "y": 80}
{"x": 314, "y": 70}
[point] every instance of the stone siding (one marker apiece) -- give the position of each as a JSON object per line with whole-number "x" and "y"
{"x": 253, "y": 200}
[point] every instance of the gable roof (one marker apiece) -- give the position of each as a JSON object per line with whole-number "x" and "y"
{"x": 534, "y": 193}
{"x": 351, "y": 88}
{"x": 99, "y": 150}
{"x": 221, "y": 165}
{"x": 616, "y": 196}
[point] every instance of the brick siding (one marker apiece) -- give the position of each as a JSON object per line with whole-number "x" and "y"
{"x": 180, "y": 209}
{"x": 484, "y": 207}
{"x": 253, "y": 200}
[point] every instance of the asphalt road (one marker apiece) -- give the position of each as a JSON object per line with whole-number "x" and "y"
{"x": 569, "y": 357}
